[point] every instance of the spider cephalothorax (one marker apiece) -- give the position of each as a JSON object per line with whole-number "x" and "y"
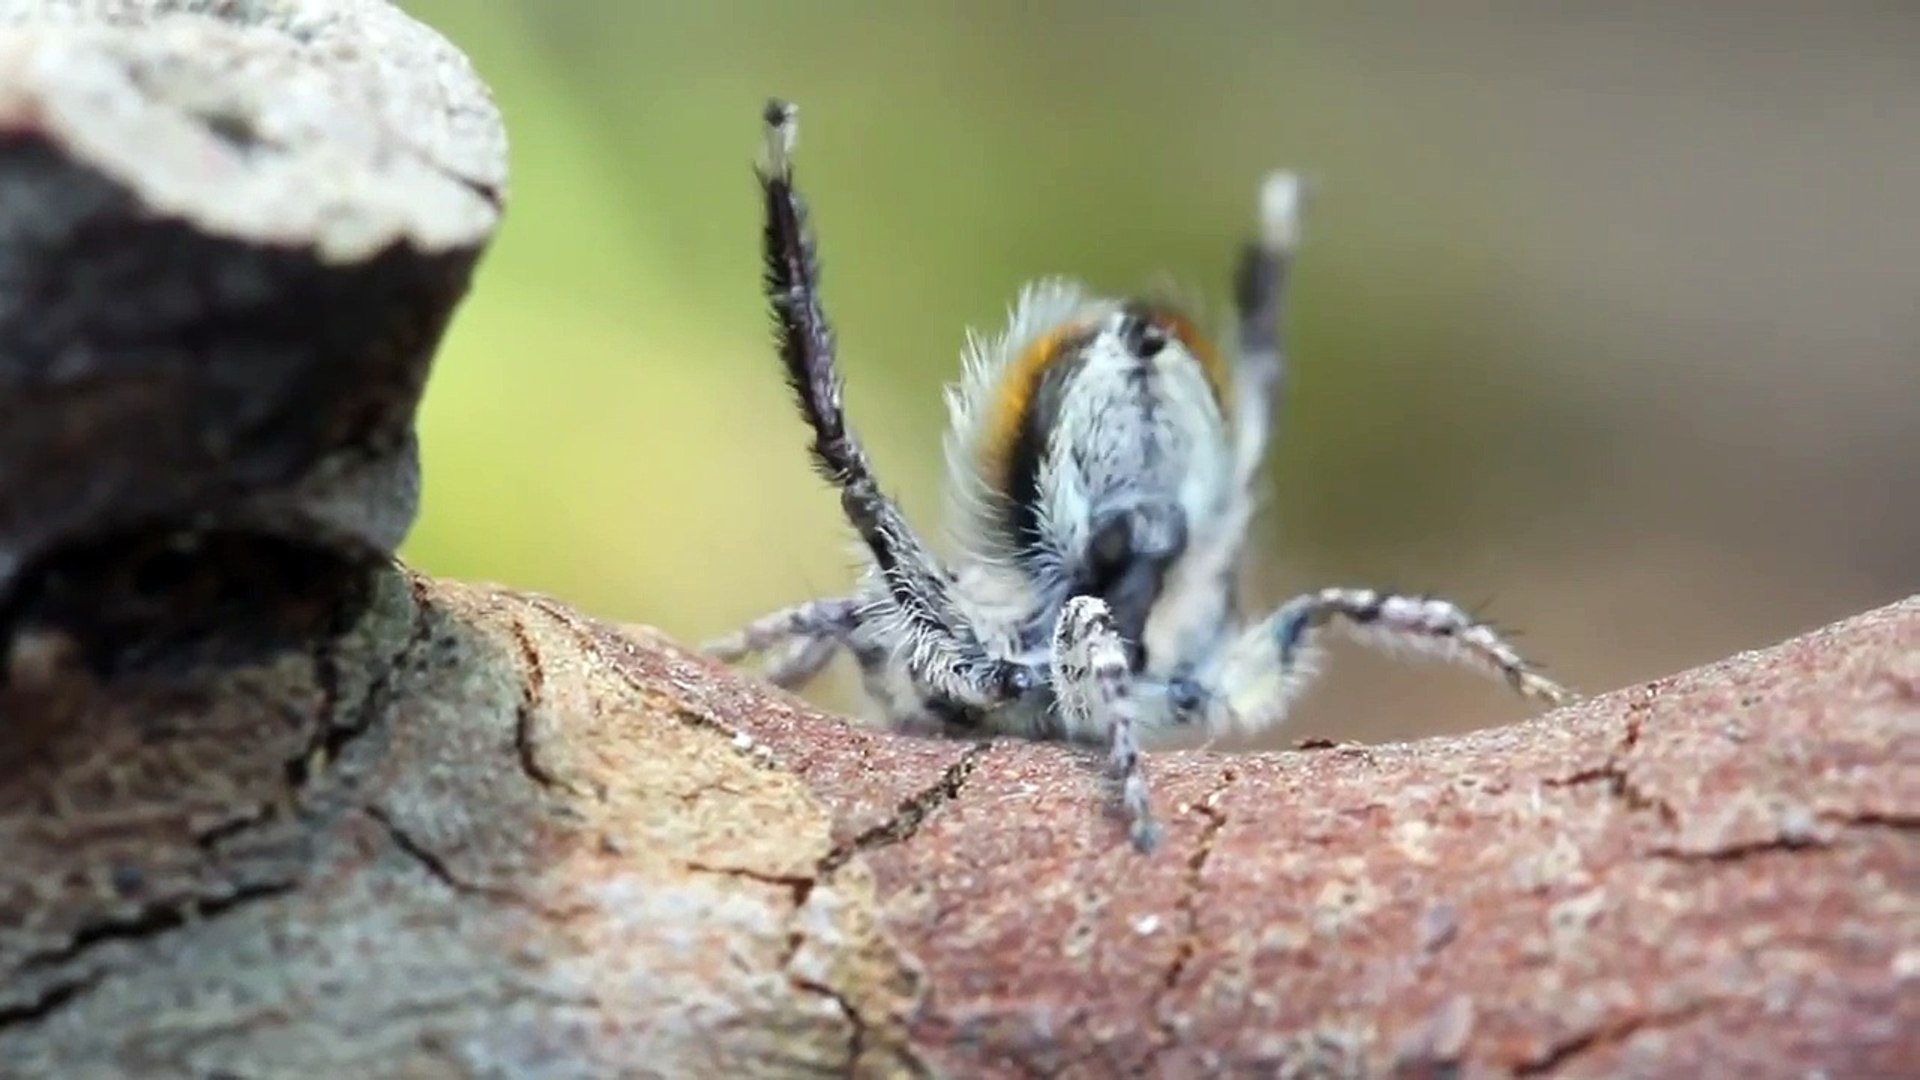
{"x": 1102, "y": 459}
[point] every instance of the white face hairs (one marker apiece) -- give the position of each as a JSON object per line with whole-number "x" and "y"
{"x": 1102, "y": 462}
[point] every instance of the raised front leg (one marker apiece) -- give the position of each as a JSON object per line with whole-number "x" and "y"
{"x": 1201, "y": 596}
{"x": 1259, "y": 301}
{"x": 934, "y": 634}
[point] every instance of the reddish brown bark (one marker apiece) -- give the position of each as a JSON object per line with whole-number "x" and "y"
{"x": 539, "y": 845}
{"x": 1715, "y": 873}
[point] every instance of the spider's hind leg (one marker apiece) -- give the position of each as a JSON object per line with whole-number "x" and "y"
{"x": 801, "y": 659}
{"x": 1271, "y": 663}
{"x": 1096, "y": 695}
{"x": 830, "y": 619}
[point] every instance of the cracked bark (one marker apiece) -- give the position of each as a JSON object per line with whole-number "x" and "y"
{"x": 271, "y": 805}
{"x": 643, "y": 830}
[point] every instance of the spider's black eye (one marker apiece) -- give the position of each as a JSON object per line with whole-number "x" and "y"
{"x": 1144, "y": 335}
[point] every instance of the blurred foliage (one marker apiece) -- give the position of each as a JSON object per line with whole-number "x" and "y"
{"x": 588, "y": 402}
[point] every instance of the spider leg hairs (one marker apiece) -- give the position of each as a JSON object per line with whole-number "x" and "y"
{"x": 1103, "y": 458}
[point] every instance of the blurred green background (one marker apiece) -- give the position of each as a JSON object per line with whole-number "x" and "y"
{"x": 1605, "y": 322}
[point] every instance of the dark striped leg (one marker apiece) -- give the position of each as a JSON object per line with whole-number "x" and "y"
{"x": 1093, "y": 685}
{"x": 808, "y": 620}
{"x": 801, "y": 659}
{"x": 1259, "y": 300}
{"x": 1271, "y": 663}
{"x": 940, "y": 641}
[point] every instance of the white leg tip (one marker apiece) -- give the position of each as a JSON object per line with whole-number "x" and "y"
{"x": 1544, "y": 689}
{"x": 1280, "y": 197}
{"x": 782, "y": 120}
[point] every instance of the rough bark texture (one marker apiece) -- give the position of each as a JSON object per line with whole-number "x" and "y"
{"x": 443, "y": 830}
{"x": 273, "y": 806}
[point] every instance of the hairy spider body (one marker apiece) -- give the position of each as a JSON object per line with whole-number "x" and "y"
{"x": 1103, "y": 458}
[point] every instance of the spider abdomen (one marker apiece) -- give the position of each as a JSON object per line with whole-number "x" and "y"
{"x": 1119, "y": 456}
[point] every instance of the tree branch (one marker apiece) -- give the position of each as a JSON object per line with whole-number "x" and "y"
{"x": 270, "y": 805}
{"x": 711, "y": 878}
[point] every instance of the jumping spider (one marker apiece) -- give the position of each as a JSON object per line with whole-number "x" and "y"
{"x": 1102, "y": 458}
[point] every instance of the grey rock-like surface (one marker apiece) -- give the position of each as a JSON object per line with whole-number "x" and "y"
{"x": 231, "y": 235}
